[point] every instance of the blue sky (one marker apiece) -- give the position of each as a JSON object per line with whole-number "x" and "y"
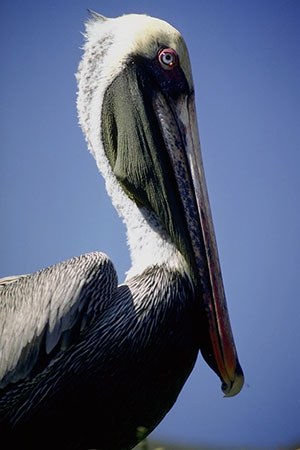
{"x": 246, "y": 68}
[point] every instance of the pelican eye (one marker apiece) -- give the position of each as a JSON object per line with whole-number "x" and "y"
{"x": 168, "y": 58}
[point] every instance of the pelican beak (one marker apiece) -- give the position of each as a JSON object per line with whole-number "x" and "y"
{"x": 150, "y": 137}
{"x": 180, "y": 132}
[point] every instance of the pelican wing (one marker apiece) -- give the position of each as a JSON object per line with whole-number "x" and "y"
{"x": 44, "y": 313}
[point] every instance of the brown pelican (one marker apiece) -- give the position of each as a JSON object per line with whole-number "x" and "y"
{"x": 85, "y": 362}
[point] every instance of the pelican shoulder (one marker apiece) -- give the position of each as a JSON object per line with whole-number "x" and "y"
{"x": 43, "y": 313}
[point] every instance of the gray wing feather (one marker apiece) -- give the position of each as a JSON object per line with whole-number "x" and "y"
{"x": 41, "y": 313}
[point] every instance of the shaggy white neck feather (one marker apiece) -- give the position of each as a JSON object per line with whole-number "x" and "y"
{"x": 149, "y": 244}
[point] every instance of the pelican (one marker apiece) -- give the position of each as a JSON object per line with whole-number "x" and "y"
{"x": 84, "y": 361}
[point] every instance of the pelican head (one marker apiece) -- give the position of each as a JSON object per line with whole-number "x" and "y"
{"x": 136, "y": 107}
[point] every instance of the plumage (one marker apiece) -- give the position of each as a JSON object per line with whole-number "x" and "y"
{"x": 84, "y": 361}
{"x": 119, "y": 349}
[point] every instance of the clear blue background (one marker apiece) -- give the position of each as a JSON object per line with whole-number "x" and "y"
{"x": 246, "y": 67}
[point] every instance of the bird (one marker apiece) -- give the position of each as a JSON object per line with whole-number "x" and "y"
{"x": 85, "y": 362}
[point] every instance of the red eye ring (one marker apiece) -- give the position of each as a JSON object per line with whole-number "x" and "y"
{"x": 167, "y": 58}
